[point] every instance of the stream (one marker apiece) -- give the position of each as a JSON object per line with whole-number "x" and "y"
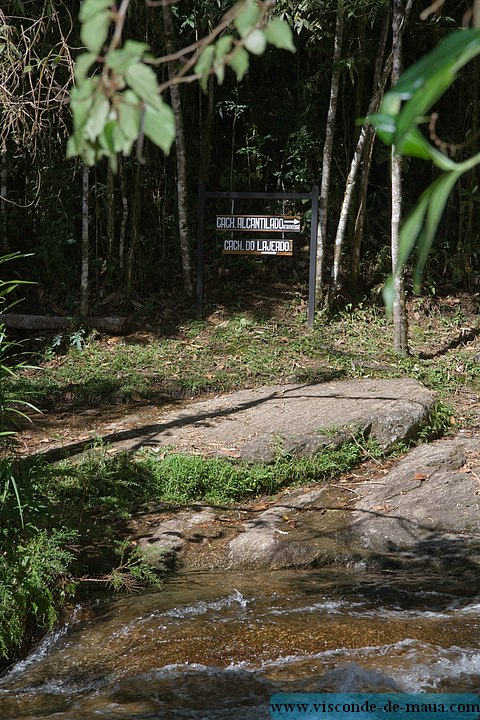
{"x": 211, "y": 646}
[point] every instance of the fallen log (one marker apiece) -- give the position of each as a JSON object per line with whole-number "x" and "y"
{"x": 14, "y": 321}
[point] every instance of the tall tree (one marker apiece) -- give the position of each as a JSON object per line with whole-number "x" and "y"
{"x": 360, "y": 219}
{"x": 351, "y": 183}
{"x": 328, "y": 150}
{"x": 181, "y": 156}
{"x": 400, "y": 320}
{"x": 84, "y": 277}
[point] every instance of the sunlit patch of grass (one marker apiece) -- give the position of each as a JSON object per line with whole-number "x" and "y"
{"x": 245, "y": 350}
{"x": 112, "y": 486}
{"x": 201, "y": 359}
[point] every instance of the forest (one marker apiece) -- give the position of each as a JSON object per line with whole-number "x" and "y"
{"x": 289, "y": 123}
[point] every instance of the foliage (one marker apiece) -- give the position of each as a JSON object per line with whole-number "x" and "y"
{"x": 30, "y": 591}
{"x": 440, "y": 422}
{"x": 132, "y": 572}
{"x": 122, "y": 103}
{"x": 112, "y": 486}
{"x": 35, "y": 72}
{"x": 10, "y": 403}
{"x": 35, "y": 558}
{"x": 402, "y": 110}
{"x": 32, "y": 558}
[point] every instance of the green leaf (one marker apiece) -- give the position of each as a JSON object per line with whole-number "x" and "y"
{"x": 159, "y": 126}
{"x": 219, "y": 68}
{"x": 385, "y": 126}
{"x": 112, "y": 141}
{"x": 247, "y": 18}
{"x": 256, "y": 42}
{"x": 94, "y": 32}
{"x": 411, "y": 228}
{"x": 143, "y": 82}
{"x": 388, "y": 293}
{"x": 97, "y": 117}
{"x": 81, "y": 101}
{"x": 204, "y": 64}
{"x": 279, "y": 33}
{"x": 120, "y": 60}
{"x": 83, "y": 63}
{"x": 239, "y": 62}
{"x": 440, "y": 191}
{"x": 88, "y": 154}
{"x": 136, "y": 48}
{"x": 223, "y": 46}
{"x": 453, "y": 53}
{"x": 418, "y": 88}
{"x": 415, "y": 145}
{"x": 420, "y": 227}
{"x": 72, "y": 147}
{"x": 420, "y": 102}
{"x": 128, "y": 115}
{"x": 91, "y": 8}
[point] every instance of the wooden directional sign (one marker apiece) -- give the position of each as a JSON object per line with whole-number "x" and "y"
{"x": 258, "y": 223}
{"x": 229, "y": 224}
{"x": 267, "y": 246}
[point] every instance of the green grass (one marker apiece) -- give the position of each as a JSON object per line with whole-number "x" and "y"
{"x": 201, "y": 359}
{"x": 245, "y": 351}
{"x": 107, "y": 486}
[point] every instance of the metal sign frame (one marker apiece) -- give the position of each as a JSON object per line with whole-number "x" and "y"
{"x": 204, "y": 195}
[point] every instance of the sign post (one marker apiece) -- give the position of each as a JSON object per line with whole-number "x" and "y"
{"x": 257, "y": 224}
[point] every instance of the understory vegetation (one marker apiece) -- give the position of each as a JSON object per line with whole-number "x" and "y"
{"x": 255, "y": 346}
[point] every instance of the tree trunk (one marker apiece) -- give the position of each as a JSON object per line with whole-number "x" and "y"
{"x": 351, "y": 183}
{"x": 110, "y": 324}
{"x": 367, "y": 165}
{"x": 181, "y": 157}
{"x": 110, "y": 212}
{"x": 327, "y": 154}
{"x": 206, "y": 136}
{"x": 134, "y": 227}
{"x": 400, "y": 324}
{"x": 84, "y": 245}
{"x": 123, "y": 224}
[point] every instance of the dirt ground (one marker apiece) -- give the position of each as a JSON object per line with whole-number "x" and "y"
{"x": 67, "y": 423}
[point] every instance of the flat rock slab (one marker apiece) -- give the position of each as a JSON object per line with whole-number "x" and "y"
{"x": 426, "y": 510}
{"x": 263, "y": 423}
{"x": 424, "y": 513}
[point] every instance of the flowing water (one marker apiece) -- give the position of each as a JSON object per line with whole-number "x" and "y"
{"x": 216, "y": 646}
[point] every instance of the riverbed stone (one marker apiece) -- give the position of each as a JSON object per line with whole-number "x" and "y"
{"x": 425, "y": 511}
{"x": 300, "y": 530}
{"x": 260, "y": 424}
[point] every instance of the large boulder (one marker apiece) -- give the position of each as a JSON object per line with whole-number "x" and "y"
{"x": 259, "y": 424}
{"x": 424, "y": 513}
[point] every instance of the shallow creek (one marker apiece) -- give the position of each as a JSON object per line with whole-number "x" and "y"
{"x": 215, "y": 646}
